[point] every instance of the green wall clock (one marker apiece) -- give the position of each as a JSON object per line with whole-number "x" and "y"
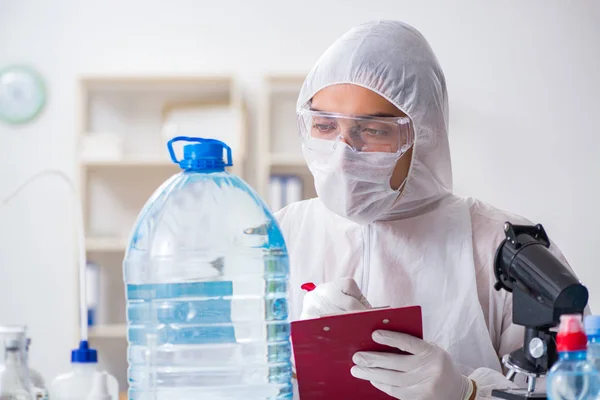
{"x": 22, "y": 94}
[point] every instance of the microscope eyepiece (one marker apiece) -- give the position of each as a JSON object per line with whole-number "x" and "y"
{"x": 543, "y": 287}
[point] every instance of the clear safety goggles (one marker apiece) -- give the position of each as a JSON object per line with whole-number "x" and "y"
{"x": 360, "y": 133}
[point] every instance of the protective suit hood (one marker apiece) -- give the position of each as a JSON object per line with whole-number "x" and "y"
{"x": 395, "y": 61}
{"x": 432, "y": 248}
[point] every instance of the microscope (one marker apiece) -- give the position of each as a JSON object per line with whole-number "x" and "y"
{"x": 543, "y": 289}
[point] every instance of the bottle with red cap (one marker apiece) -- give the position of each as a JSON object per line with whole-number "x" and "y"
{"x": 573, "y": 377}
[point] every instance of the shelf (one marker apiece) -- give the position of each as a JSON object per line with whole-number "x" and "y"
{"x": 130, "y": 163}
{"x": 290, "y": 84}
{"x": 105, "y": 244}
{"x": 297, "y": 78}
{"x": 145, "y": 81}
{"x": 108, "y": 331}
{"x": 286, "y": 160}
{"x": 197, "y": 87}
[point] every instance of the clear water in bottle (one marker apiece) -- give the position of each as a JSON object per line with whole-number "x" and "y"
{"x": 573, "y": 377}
{"x": 592, "y": 330}
{"x": 206, "y": 274}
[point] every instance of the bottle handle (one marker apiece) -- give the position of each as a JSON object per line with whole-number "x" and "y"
{"x": 189, "y": 139}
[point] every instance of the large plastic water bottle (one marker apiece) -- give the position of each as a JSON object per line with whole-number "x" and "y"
{"x": 573, "y": 377}
{"x": 206, "y": 275}
{"x": 592, "y": 330}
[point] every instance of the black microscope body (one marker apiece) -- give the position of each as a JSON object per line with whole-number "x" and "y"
{"x": 543, "y": 289}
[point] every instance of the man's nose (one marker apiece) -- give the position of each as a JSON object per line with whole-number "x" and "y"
{"x": 347, "y": 130}
{"x": 344, "y": 138}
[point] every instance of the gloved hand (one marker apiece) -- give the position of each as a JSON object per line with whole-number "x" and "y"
{"x": 332, "y": 298}
{"x": 428, "y": 373}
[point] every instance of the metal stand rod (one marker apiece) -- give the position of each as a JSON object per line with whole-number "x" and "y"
{"x": 531, "y": 384}
{"x": 511, "y": 375}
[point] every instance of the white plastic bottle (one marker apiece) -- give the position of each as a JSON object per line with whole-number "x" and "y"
{"x": 78, "y": 383}
{"x": 100, "y": 389}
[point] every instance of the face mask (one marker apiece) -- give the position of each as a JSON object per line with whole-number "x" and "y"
{"x": 354, "y": 185}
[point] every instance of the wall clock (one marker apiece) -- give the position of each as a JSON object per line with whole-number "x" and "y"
{"x": 22, "y": 94}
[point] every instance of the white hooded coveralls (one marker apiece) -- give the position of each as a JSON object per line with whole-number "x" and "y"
{"x": 431, "y": 248}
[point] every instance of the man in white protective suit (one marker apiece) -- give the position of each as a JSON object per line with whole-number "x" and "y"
{"x": 386, "y": 229}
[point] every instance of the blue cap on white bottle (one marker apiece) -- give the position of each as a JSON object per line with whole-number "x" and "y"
{"x": 592, "y": 325}
{"x": 84, "y": 354}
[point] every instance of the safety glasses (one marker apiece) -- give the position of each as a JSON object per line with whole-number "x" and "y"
{"x": 360, "y": 133}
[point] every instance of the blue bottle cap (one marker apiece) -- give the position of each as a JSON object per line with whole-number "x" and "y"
{"x": 592, "y": 325}
{"x": 204, "y": 155}
{"x": 84, "y": 354}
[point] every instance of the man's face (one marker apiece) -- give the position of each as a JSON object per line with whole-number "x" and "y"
{"x": 355, "y": 100}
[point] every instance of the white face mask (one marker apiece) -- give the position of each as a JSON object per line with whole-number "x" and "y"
{"x": 354, "y": 185}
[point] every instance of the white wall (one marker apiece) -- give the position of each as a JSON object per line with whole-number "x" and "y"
{"x": 523, "y": 81}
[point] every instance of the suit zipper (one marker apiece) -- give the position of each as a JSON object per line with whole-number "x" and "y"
{"x": 366, "y": 261}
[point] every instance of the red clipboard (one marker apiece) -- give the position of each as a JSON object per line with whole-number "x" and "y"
{"x": 323, "y": 350}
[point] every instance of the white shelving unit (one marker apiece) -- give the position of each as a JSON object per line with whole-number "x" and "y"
{"x": 140, "y": 113}
{"x": 108, "y": 331}
{"x": 127, "y": 164}
{"x": 107, "y": 245}
{"x": 279, "y": 150}
{"x": 287, "y": 160}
